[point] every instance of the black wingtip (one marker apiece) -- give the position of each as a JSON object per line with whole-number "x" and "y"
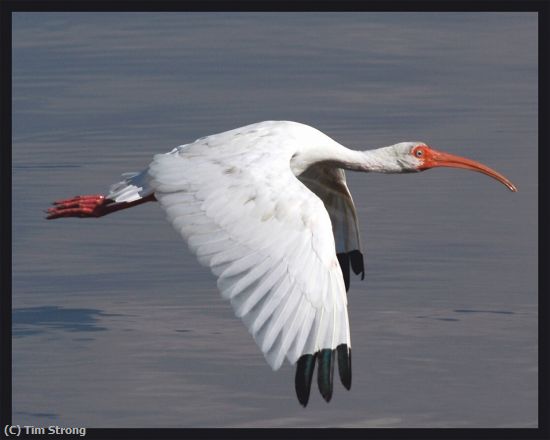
{"x": 325, "y": 360}
{"x": 344, "y": 364}
{"x": 355, "y": 260}
{"x": 304, "y": 375}
{"x": 357, "y": 263}
{"x": 343, "y": 259}
{"x": 325, "y": 372}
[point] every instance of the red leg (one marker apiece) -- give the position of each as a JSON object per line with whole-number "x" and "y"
{"x": 94, "y": 205}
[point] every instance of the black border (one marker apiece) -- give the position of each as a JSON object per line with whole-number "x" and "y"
{"x": 540, "y": 6}
{"x": 5, "y": 216}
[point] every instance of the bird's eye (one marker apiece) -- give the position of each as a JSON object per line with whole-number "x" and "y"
{"x": 419, "y": 153}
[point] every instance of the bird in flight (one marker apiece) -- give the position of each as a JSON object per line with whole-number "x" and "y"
{"x": 266, "y": 207}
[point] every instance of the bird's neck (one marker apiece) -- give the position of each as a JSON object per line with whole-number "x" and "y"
{"x": 380, "y": 160}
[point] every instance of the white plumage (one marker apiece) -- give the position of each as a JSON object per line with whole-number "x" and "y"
{"x": 266, "y": 207}
{"x": 266, "y": 237}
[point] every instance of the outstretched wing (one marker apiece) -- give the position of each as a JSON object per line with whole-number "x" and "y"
{"x": 268, "y": 240}
{"x": 329, "y": 184}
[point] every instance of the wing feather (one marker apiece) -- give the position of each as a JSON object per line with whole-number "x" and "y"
{"x": 266, "y": 237}
{"x": 329, "y": 184}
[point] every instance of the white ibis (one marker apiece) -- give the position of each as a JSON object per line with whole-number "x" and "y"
{"x": 266, "y": 207}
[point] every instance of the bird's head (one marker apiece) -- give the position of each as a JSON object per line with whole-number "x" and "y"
{"x": 417, "y": 156}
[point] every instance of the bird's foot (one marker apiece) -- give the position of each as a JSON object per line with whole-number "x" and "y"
{"x": 93, "y": 205}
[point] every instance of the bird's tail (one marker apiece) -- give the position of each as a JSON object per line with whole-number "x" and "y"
{"x": 134, "y": 186}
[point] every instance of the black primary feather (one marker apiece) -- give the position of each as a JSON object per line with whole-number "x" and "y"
{"x": 304, "y": 375}
{"x": 344, "y": 364}
{"x": 355, "y": 260}
{"x": 357, "y": 263}
{"x": 343, "y": 259}
{"x": 325, "y": 371}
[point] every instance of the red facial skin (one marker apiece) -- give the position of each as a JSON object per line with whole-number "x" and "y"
{"x": 432, "y": 158}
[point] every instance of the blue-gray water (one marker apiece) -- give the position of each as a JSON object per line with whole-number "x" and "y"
{"x": 114, "y": 322}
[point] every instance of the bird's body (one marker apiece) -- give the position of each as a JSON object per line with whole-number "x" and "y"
{"x": 266, "y": 207}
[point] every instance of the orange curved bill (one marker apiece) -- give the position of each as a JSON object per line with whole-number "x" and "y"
{"x": 440, "y": 159}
